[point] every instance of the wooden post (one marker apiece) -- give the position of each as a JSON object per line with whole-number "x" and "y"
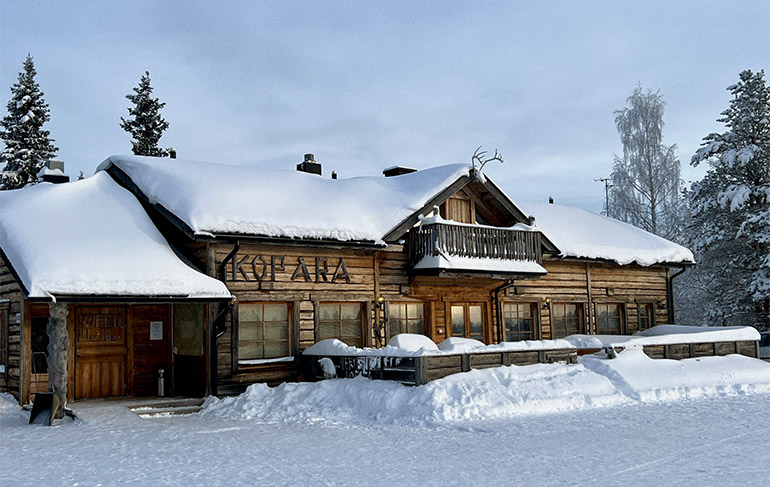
{"x": 58, "y": 349}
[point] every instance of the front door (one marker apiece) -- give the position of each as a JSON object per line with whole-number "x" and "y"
{"x": 189, "y": 361}
{"x": 468, "y": 320}
{"x": 100, "y": 352}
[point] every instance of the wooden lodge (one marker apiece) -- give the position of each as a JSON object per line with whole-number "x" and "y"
{"x": 302, "y": 258}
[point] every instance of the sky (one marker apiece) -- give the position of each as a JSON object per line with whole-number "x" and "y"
{"x": 368, "y": 85}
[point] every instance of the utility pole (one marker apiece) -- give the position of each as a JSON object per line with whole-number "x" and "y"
{"x": 607, "y": 187}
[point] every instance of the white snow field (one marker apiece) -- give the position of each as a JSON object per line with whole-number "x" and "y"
{"x": 626, "y": 421}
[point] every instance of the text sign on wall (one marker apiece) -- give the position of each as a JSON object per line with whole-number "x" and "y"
{"x": 156, "y": 330}
{"x": 265, "y": 267}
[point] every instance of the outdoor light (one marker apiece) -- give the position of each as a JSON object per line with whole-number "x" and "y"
{"x": 380, "y": 303}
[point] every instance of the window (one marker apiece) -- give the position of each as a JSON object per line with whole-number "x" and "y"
{"x": 520, "y": 321}
{"x": 609, "y": 319}
{"x": 405, "y": 318}
{"x": 566, "y": 319}
{"x": 646, "y": 317}
{"x": 468, "y": 321}
{"x": 343, "y": 321}
{"x": 263, "y": 331}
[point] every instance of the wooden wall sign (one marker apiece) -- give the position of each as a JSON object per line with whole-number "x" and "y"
{"x": 265, "y": 268}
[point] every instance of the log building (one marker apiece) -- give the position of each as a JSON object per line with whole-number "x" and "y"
{"x": 289, "y": 258}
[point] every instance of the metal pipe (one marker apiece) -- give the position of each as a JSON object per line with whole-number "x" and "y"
{"x": 498, "y": 312}
{"x": 670, "y": 296}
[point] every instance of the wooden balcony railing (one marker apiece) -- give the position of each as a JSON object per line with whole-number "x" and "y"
{"x": 473, "y": 241}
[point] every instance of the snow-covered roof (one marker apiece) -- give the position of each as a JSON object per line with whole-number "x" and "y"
{"x": 583, "y": 234}
{"x": 225, "y": 199}
{"x": 92, "y": 237}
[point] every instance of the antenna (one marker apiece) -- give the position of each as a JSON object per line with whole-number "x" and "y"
{"x": 607, "y": 187}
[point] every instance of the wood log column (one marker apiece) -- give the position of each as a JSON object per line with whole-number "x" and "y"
{"x": 58, "y": 349}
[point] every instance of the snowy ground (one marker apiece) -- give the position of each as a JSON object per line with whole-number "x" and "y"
{"x": 603, "y": 422}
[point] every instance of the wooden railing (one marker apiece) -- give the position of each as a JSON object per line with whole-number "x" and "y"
{"x": 473, "y": 241}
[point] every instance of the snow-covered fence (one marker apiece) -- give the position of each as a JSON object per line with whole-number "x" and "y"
{"x": 421, "y": 369}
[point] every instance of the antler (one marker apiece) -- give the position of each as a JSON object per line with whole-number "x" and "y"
{"x": 480, "y": 157}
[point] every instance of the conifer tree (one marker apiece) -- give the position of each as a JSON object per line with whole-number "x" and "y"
{"x": 145, "y": 123}
{"x": 731, "y": 209}
{"x": 27, "y": 146}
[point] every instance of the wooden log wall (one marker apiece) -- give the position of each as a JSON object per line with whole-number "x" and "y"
{"x": 592, "y": 283}
{"x": 11, "y": 309}
{"x": 306, "y": 276}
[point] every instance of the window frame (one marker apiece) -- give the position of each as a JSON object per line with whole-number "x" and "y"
{"x": 365, "y": 311}
{"x": 289, "y": 332}
{"x": 406, "y": 320}
{"x": 579, "y": 316}
{"x": 534, "y": 316}
{"x": 466, "y": 318}
{"x": 651, "y": 317}
{"x": 621, "y": 317}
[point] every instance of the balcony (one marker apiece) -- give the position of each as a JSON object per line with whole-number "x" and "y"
{"x": 458, "y": 247}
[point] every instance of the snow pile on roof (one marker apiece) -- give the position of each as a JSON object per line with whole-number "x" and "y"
{"x": 255, "y": 201}
{"x": 92, "y": 237}
{"x": 455, "y": 262}
{"x": 672, "y": 334}
{"x": 583, "y": 234}
{"x": 499, "y": 392}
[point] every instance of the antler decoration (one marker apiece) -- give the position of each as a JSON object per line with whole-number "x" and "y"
{"x": 479, "y": 157}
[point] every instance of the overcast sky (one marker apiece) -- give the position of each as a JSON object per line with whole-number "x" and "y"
{"x": 366, "y": 85}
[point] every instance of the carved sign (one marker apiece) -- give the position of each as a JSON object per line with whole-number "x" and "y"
{"x": 265, "y": 267}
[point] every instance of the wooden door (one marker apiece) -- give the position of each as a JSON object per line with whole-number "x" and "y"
{"x": 149, "y": 348}
{"x": 100, "y": 352}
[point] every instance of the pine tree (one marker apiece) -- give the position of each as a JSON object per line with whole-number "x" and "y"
{"x": 646, "y": 185}
{"x": 145, "y": 125}
{"x": 731, "y": 208}
{"x": 27, "y": 146}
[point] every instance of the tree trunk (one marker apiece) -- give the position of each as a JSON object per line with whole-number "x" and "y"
{"x": 58, "y": 348}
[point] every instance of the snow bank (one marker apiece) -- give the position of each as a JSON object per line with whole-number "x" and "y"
{"x": 499, "y": 392}
{"x": 255, "y": 201}
{"x": 92, "y": 237}
{"x": 475, "y": 395}
{"x": 10, "y": 411}
{"x": 641, "y": 378}
{"x": 672, "y": 334}
{"x": 583, "y": 234}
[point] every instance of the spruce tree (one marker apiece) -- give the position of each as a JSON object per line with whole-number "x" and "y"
{"x": 27, "y": 146}
{"x": 731, "y": 208}
{"x": 145, "y": 123}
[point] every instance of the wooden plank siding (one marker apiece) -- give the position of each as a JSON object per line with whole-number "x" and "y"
{"x": 11, "y": 304}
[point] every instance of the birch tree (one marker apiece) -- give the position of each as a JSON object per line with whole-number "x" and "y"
{"x": 645, "y": 183}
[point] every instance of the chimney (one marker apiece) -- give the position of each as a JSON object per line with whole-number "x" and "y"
{"x": 172, "y": 152}
{"x": 53, "y": 172}
{"x": 550, "y": 200}
{"x": 397, "y": 171}
{"x": 334, "y": 174}
{"x": 309, "y": 165}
